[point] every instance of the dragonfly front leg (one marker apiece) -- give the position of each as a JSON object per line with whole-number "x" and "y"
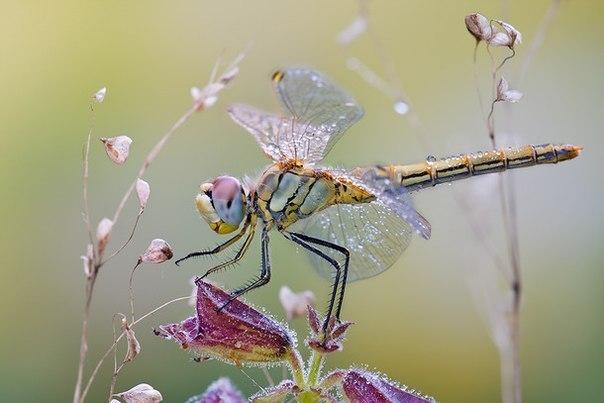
{"x": 218, "y": 248}
{"x": 265, "y": 272}
{"x": 305, "y": 241}
{"x": 236, "y": 258}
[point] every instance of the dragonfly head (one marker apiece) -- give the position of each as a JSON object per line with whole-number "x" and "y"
{"x": 221, "y": 204}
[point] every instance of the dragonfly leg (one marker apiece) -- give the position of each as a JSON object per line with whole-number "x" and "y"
{"x": 218, "y": 248}
{"x": 236, "y": 258}
{"x": 305, "y": 241}
{"x": 262, "y": 279}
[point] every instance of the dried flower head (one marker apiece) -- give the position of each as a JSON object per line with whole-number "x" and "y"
{"x": 103, "y": 231}
{"x": 295, "y": 304}
{"x": 507, "y": 36}
{"x": 504, "y": 94}
{"x": 142, "y": 393}
{"x": 99, "y": 96}
{"x": 479, "y": 26}
{"x": 158, "y": 251}
{"x": 117, "y": 148}
{"x": 142, "y": 192}
{"x": 220, "y": 391}
{"x": 237, "y": 333}
{"x": 134, "y": 347}
{"x": 329, "y": 341}
{"x": 363, "y": 386}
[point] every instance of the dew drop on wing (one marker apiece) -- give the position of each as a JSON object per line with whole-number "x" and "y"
{"x": 431, "y": 158}
{"x": 401, "y": 107}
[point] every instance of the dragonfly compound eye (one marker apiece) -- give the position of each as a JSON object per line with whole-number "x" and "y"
{"x": 221, "y": 204}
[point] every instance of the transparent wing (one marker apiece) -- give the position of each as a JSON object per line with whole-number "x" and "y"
{"x": 372, "y": 233}
{"x": 375, "y": 233}
{"x": 321, "y": 111}
{"x": 398, "y": 199}
{"x": 270, "y": 131}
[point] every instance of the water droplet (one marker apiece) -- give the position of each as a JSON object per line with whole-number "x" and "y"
{"x": 401, "y": 107}
{"x": 431, "y": 158}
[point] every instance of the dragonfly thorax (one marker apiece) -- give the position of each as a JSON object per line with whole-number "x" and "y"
{"x": 286, "y": 193}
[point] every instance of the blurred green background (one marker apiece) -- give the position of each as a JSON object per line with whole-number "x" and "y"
{"x": 419, "y": 322}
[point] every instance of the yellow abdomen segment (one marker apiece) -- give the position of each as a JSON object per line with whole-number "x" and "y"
{"x": 434, "y": 171}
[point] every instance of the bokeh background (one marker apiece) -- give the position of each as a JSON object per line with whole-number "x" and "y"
{"x": 421, "y": 322}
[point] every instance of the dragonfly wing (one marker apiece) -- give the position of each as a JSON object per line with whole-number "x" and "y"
{"x": 374, "y": 235}
{"x": 266, "y": 128}
{"x": 321, "y": 111}
{"x": 398, "y": 199}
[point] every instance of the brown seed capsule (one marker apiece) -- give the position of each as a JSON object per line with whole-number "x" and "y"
{"x": 158, "y": 252}
{"x": 142, "y": 393}
{"x": 117, "y": 148}
{"x": 479, "y": 26}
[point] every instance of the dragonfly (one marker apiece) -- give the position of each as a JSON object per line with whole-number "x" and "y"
{"x": 355, "y": 223}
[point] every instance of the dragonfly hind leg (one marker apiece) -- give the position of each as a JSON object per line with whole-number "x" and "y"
{"x": 305, "y": 241}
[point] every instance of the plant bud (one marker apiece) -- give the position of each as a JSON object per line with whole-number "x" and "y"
{"x": 478, "y": 25}
{"x": 142, "y": 192}
{"x": 295, "y": 304}
{"x": 364, "y": 386}
{"x": 236, "y": 333}
{"x": 220, "y": 391}
{"x": 142, "y": 393}
{"x": 103, "y": 230}
{"x": 117, "y": 148}
{"x": 99, "y": 96}
{"x": 504, "y": 94}
{"x": 158, "y": 252}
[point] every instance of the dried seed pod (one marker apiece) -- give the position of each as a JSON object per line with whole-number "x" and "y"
{"x": 103, "y": 231}
{"x": 99, "y": 96}
{"x": 295, "y": 304}
{"x": 117, "y": 148}
{"x": 479, "y": 26}
{"x": 142, "y": 192}
{"x": 158, "y": 251}
{"x": 142, "y": 393}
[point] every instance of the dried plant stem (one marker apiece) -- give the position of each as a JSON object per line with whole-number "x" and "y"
{"x": 90, "y": 280}
{"x": 118, "y": 250}
{"x": 150, "y": 158}
{"x": 97, "y": 260}
{"x": 117, "y": 340}
{"x": 539, "y": 38}
{"x": 131, "y": 289}
{"x": 511, "y": 385}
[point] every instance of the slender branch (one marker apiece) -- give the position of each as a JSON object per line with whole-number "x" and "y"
{"x": 150, "y": 158}
{"x": 90, "y": 277}
{"x": 539, "y": 37}
{"x": 131, "y": 289}
{"x": 117, "y": 340}
{"x": 121, "y": 248}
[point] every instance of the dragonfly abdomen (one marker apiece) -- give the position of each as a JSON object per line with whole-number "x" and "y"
{"x": 434, "y": 171}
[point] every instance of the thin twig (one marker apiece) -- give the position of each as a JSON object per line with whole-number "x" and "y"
{"x": 117, "y": 340}
{"x": 91, "y": 277}
{"x": 539, "y": 38}
{"x": 131, "y": 289}
{"x": 150, "y": 158}
{"x": 121, "y": 248}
